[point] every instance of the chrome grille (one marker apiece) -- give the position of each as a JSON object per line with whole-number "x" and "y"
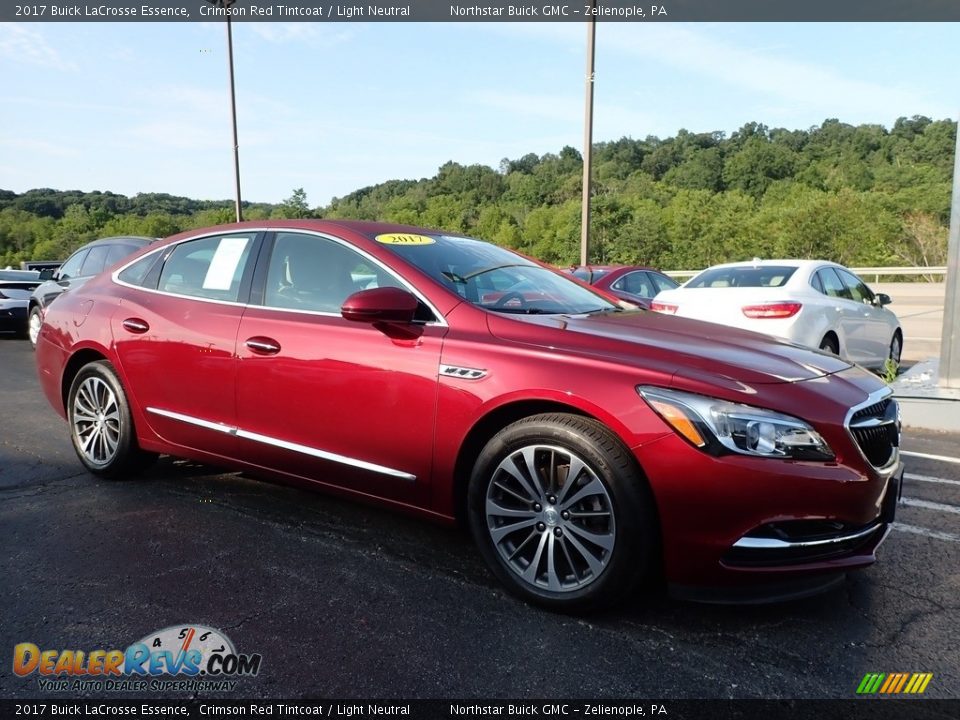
{"x": 876, "y": 410}
{"x": 875, "y": 426}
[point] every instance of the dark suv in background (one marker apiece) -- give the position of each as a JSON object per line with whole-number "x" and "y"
{"x": 91, "y": 259}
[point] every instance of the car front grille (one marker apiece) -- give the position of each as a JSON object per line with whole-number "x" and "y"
{"x": 875, "y": 427}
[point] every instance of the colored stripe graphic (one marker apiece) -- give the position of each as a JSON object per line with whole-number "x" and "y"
{"x": 894, "y": 683}
{"x": 903, "y": 681}
{"x": 870, "y": 683}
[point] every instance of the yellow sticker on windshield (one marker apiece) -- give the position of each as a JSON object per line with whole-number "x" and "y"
{"x": 404, "y": 239}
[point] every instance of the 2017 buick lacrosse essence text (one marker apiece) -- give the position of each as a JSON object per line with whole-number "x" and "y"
{"x": 593, "y": 451}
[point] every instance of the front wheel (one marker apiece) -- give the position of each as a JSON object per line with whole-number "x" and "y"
{"x": 561, "y": 513}
{"x": 34, "y": 321}
{"x": 896, "y": 350}
{"x": 101, "y": 426}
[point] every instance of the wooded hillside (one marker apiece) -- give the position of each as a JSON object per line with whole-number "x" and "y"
{"x": 859, "y": 195}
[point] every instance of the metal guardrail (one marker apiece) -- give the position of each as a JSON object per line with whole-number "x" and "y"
{"x": 875, "y": 272}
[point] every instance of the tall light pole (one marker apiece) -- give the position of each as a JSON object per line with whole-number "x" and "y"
{"x": 587, "y": 139}
{"x": 225, "y": 5}
{"x": 949, "y": 370}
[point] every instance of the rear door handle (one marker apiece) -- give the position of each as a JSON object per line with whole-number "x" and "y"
{"x": 263, "y": 345}
{"x": 135, "y": 325}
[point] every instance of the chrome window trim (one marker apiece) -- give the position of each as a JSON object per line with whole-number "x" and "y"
{"x": 286, "y": 445}
{"x": 752, "y": 543}
{"x": 872, "y": 399}
{"x": 439, "y": 322}
{"x": 115, "y": 275}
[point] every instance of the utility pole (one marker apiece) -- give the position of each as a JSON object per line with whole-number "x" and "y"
{"x": 950, "y": 336}
{"x": 587, "y": 138}
{"x": 225, "y": 5}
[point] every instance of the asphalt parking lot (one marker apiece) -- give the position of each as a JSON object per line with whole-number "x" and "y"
{"x": 343, "y": 600}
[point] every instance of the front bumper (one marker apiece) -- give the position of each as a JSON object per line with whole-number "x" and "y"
{"x": 754, "y": 527}
{"x": 801, "y": 542}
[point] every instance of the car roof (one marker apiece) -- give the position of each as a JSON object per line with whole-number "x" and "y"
{"x": 137, "y": 240}
{"x": 773, "y": 262}
{"x": 367, "y": 228}
{"x": 610, "y": 268}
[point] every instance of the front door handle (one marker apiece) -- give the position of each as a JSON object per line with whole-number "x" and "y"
{"x": 263, "y": 345}
{"x": 135, "y": 325}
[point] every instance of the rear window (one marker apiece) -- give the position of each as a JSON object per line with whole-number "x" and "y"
{"x": 745, "y": 277}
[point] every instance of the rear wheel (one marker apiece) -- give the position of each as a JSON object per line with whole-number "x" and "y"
{"x": 101, "y": 426}
{"x": 829, "y": 344}
{"x": 560, "y": 512}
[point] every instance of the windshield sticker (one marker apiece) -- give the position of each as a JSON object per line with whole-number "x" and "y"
{"x": 404, "y": 239}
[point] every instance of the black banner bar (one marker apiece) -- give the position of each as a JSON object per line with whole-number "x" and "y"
{"x": 480, "y": 11}
{"x": 858, "y": 709}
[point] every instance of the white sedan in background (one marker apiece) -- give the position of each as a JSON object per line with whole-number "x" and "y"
{"x": 814, "y": 303}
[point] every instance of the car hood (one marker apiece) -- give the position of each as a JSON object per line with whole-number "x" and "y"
{"x": 689, "y": 348}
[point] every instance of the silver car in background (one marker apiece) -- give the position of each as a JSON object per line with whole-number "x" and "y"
{"x": 90, "y": 260}
{"x": 815, "y": 303}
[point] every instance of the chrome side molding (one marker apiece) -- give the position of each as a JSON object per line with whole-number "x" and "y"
{"x": 286, "y": 445}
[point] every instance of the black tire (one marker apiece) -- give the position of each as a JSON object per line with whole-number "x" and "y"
{"x": 34, "y": 321}
{"x": 829, "y": 344}
{"x": 101, "y": 426}
{"x": 896, "y": 349}
{"x": 544, "y": 557}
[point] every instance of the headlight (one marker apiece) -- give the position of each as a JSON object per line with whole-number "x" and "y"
{"x": 718, "y": 426}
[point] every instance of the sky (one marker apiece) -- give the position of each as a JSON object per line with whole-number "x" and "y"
{"x": 331, "y": 108}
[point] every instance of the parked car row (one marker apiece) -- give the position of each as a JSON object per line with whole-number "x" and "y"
{"x": 90, "y": 260}
{"x": 592, "y": 451}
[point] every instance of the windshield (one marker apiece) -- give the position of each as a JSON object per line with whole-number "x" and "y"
{"x": 494, "y": 278}
{"x": 743, "y": 276}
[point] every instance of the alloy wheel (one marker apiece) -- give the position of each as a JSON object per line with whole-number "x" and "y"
{"x": 96, "y": 421}
{"x": 550, "y": 518}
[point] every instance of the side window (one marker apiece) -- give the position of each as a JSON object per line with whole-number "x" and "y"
{"x": 209, "y": 268}
{"x": 662, "y": 282}
{"x": 855, "y": 286}
{"x": 95, "y": 262}
{"x": 307, "y": 272}
{"x": 136, "y": 273}
{"x": 71, "y": 268}
{"x": 832, "y": 286}
{"x": 119, "y": 252}
{"x": 816, "y": 284}
{"x": 639, "y": 284}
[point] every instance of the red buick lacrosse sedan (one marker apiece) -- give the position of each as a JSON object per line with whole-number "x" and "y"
{"x": 590, "y": 449}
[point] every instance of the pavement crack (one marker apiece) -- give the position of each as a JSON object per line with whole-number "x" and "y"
{"x": 245, "y": 620}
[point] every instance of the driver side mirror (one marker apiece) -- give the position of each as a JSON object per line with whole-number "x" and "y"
{"x": 47, "y": 274}
{"x": 882, "y": 299}
{"x": 379, "y": 305}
